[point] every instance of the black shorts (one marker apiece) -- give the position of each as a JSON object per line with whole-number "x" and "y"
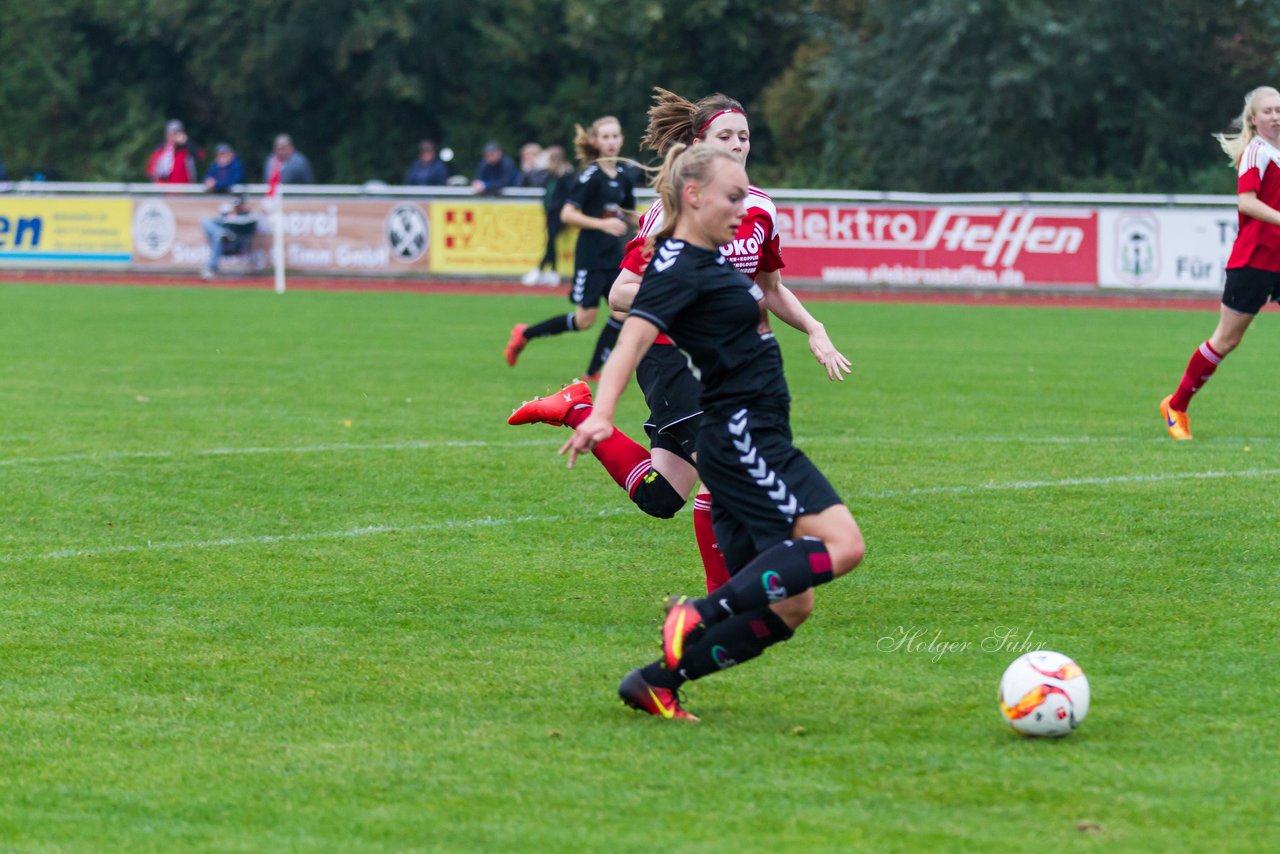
{"x": 1248, "y": 289}
{"x": 759, "y": 482}
{"x": 672, "y": 392}
{"x": 591, "y": 286}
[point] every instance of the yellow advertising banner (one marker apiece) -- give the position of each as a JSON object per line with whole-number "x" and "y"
{"x": 477, "y": 237}
{"x": 359, "y": 237}
{"x": 57, "y": 232}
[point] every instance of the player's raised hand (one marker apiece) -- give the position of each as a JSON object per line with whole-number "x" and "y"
{"x": 828, "y": 356}
{"x": 586, "y": 436}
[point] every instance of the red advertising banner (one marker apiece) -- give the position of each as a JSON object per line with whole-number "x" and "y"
{"x": 939, "y": 245}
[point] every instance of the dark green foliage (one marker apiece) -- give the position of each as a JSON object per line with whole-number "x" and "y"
{"x": 919, "y": 95}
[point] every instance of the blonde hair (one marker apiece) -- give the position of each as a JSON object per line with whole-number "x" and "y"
{"x": 1234, "y": 144}
{"x": 674, "y": 120}
{"x": 584, "y": 140}
{"x": 684, "y": 165}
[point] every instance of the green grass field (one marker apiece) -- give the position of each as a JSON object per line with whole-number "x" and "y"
{"x": 275, "y": 575}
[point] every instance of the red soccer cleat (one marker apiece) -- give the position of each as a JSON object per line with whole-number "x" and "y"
{"x": 553, "y": 408}
{"x": 682, "y": 621}
{"x": 659, "y": 702}
{"x": 516, "y": 343}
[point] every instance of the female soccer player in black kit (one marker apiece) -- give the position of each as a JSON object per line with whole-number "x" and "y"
{"x": 782, "y": 527}
{"x": 602, "y": 205}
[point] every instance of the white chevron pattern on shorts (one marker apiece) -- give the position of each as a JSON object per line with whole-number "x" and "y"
{"x": 758, "y": 468}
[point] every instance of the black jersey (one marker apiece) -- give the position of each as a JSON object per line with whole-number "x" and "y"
{"x": 598, "y": 195}
{"x": 716, "y": 315}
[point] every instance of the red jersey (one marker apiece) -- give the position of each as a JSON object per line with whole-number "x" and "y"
{"x": 172, "y": 165}
{"x": 755, "y": 247}
{"x": 1258, "y": 243}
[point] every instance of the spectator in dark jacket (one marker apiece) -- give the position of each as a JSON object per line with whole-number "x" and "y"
{"x": 226, "y": 170}
{"x": 295, "y": 168}
{"x": 495, "y": 171}
{"x": 428, "y": 170}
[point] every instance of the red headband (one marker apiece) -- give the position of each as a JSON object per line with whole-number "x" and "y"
{"x": 715, "y": 116}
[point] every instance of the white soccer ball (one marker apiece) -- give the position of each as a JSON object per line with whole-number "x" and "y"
{"x": 1044, "y": 693}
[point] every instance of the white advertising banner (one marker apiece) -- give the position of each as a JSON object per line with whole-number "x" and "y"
{"x": 1165, "y": 248}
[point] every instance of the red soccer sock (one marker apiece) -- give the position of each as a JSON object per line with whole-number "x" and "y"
{"x": 1204, "y": 361}
{"x": 713, "y": 564}
{"x": 624, "y": 460}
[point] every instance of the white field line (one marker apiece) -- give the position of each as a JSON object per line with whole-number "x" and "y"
{"x": 108, "y": 456}
{"x": 350, "y": 533}
{"x": 1071, "y": 481}
{"x": 488, "y": 522}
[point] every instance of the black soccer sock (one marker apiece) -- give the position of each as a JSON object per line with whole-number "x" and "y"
{"x": 657, "y": 675}
{"x": 777, "y": 573}
{"x": 733, "y": 642}
{"x": 557, "y": 325}
{"x": 604, "y": 345}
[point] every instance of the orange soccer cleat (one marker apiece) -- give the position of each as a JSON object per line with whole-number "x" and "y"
{"x": 660, "y": 702}
{"x": 682, "y": 621}
{"x": 1178, "y": 424}
{"x": 516, "y": 343}
{"x": 553, "y": 408}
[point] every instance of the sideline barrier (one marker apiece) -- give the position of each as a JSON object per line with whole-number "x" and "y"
{"x": 828, "y": 237}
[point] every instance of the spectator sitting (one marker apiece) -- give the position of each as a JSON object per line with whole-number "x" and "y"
{"x": 226, "y": 171}
{"x": 533, "y": 165}
{"x": 229, "y": 233}
{"x": 495, "y": 171}
{"x": 293, "y": 164}
{"x": 172, "y": 162}
{"x": 428, "y": 170}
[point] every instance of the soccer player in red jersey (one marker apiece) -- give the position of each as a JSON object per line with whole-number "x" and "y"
{"x": 660, "y": 481}
{"x": 1253, "y": 270}
{"x": 782, "y": 527}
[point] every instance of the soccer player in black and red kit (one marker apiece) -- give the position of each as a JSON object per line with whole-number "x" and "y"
{"x": 659, "y": 482}
{"x": 1253, "y": 270}
{"x": 781, "y": 526}
{"x": 602, "y": 206}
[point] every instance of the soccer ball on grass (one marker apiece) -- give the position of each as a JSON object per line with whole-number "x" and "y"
{"x": 1044, "y": 693}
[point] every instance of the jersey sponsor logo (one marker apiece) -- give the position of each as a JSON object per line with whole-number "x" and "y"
{"x": 741, "y": 247}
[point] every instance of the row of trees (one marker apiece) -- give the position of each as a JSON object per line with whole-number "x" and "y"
{"x": 929, "y": 95}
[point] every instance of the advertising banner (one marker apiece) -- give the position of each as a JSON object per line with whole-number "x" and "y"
{"x": 43, "y": 232}
{"x": 939, "y": 245}
{"x": 1165, "y": 248}
{"x": 493, "y": 238}
{"x": 358, "y": 236}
